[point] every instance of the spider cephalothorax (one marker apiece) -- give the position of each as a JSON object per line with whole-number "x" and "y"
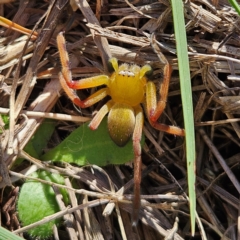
{"x": 128, "y": 87}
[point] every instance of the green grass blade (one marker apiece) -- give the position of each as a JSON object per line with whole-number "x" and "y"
{"x": 235, "y": 6}
{"x": 186, "y": 92}
{"x": 5, "y": 234}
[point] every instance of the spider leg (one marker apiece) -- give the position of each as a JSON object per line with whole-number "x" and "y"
{"x": 100, "y": 115}
{"x": 155, "y": 109}
{"x": 96, "y": 97}
{"x": 66, "y": 72}
{"x": 137, "y": 135}
{"x": 65, "y": 77}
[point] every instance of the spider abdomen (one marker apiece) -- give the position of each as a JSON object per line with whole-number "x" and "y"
{"x": 121, "y": 123}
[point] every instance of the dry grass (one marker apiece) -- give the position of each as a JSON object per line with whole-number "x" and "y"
{"x": 29, "y": 82}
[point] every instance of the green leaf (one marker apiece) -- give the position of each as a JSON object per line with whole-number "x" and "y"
{"x": 5, "y": 120}
{"x": 85, "y": 146}
{"x": 186, "y": 93}
{"x": 36, "y": 201}
{"x": 40, "y": 139}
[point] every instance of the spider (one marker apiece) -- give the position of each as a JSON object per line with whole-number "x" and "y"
{"x": 128, "y": 87}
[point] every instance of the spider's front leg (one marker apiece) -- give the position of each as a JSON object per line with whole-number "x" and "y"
{"x": 68, "y": 85}
{"x": 155, "y": 108}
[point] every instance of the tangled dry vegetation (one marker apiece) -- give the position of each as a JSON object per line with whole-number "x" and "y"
{"x": 122, "y": 29}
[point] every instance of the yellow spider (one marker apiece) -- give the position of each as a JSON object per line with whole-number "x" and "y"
{"x": 128, "y": 88}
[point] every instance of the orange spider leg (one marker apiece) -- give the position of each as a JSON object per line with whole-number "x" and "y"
{"x": 155, "y": 109}
{"x": 66, "y": 72}
{"x": 96, "y": 97}
{"x": 137, "y": 135}
{"x": 100, "y": 115}
{"x": 65, "y": 77}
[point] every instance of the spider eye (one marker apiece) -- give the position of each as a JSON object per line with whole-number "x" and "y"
{"x": 112, "y": 65}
